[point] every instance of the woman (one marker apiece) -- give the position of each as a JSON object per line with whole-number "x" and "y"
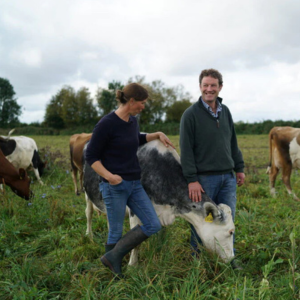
{"x": 112, "y": 154}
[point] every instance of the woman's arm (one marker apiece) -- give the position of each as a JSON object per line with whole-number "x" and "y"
{"x": 113, "y": 179}
{"x": 161, "y": 136}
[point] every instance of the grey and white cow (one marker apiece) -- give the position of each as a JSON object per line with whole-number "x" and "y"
{"x": 164, "y": 183}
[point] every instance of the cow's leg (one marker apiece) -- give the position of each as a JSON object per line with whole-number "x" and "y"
{"x": 286, "y": 178}
{"x": 273, "y": 172}
{"x": 133, "y": 220}
{"x": 37, "y": 175}
{"x": 89, "y": 216}
{"x": 74, "y": 177}
{"x": 81, "y": 181}
{"x": 35, "y": 164}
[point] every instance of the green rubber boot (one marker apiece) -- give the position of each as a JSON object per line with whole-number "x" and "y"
{"x": 113, "y": 258}
{"x": 109, "y": 247}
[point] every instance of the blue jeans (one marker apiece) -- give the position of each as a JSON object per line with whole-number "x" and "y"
{"x": 221, "y": 189}
{"x": 133, "y": 195}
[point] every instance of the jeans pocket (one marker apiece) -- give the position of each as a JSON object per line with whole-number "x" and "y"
{"x": 118, "y": 186}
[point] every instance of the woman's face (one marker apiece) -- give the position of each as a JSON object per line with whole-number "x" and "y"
{"x": 136, "y": 107}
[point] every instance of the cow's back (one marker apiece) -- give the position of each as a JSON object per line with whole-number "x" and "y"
{"x": 77, "y": 142}
{"x": 23, "y": 154}
{"x": 284, "y": 135}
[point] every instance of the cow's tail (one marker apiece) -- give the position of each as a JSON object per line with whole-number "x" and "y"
{"x": 9, "y": 134}
{"x": 71, "y": 156}
{"x": 270, "y": 151}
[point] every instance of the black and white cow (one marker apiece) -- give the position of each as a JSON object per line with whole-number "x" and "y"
{"x": 22, "y": 152}
{"x": 163, "y": 181}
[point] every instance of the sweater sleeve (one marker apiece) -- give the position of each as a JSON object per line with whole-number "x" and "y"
{"x": 142, "y": 139}
{"x": 186, "y": 147}
{"x": 97, "y": 143}
{"x": 237, "y": 155}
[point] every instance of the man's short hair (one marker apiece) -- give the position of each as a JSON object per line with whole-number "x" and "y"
{"x": 212, "y": 73}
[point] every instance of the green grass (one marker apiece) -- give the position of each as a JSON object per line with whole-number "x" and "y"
{"x": 44, "y": 253}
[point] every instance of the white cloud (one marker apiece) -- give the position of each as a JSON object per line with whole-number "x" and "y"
{"x": 255, "y": 44}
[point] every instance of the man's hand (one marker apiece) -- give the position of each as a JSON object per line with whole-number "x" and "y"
{"x": 240, "y": 179}
{"x": 195, "y": 190}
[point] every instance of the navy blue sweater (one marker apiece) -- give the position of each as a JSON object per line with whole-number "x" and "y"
{"x": 115, "y": 142}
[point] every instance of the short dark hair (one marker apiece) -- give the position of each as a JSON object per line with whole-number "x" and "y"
{"x": 212, "y": 73}
{"x": 132, "y": 90}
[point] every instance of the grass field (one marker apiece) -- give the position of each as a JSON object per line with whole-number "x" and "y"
{"x": 44, "y": 253}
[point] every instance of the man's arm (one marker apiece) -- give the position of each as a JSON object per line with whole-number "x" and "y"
{"x": 237, "y": 157}
{"x": 187, "y": 136}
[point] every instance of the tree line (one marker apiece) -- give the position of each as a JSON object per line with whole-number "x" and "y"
{"x": 68, "y": 108}
{"x": 70, "y": 111}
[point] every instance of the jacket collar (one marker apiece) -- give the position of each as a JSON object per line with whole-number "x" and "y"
{"x": 218, "y": 98}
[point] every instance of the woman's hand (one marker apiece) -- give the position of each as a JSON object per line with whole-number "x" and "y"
{"x": 115, "y": 179}
{"x": 165, "y": 140}
{"x": 161, "y": 136}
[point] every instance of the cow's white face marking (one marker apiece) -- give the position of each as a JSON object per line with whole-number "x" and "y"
{"x": 161, "y": 148}
{"x": 295, "y": 153}
{"x": 217, "y": 236}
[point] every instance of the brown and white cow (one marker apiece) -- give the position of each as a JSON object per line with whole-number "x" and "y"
{"x": 19, "y": 182}
{"x": 77, "y": 142}
{"x": 284, "y": 143}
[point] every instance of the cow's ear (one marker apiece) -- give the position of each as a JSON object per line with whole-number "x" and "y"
{"x": 22, "y": 173}
{"x": 209, "y": 218}
{"x": 211, "y": 212}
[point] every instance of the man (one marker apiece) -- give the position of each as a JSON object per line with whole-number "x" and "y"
{"x": 209, "y": 149}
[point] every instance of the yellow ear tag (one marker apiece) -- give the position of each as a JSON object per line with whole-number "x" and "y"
{"x": 209, "y": 218}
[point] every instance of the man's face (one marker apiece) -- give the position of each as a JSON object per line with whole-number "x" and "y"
{"x": 210, "y": 89}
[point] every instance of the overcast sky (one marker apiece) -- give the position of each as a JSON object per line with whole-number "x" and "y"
{"x": 255, "y": 44}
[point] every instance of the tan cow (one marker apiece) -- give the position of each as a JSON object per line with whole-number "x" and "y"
{"x": 77, "y": 142}
{"x": 284, "y": 149}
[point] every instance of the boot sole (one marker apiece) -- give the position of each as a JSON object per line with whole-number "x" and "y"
{"x": 107, "y": 264}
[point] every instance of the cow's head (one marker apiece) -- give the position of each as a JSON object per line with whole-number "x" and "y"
{"x": 20, "y": 185}
{"x": 215, "y": 227}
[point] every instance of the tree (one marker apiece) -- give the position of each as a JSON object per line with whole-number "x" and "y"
{"x": 9, "y": 108}
{"x": 87, "y": 113}
{"x": 159, "y": 100}
{"x": 175, "y": 111}
{"x": 69, "y": 108}
{"x": 106, "y": 98}
{"x": 53, "y": 116}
